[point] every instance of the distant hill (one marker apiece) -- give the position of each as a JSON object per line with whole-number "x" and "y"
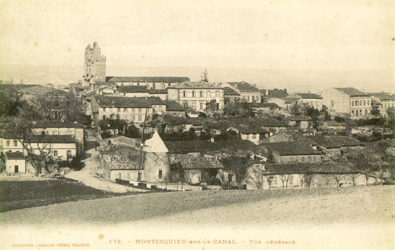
{"x": 293, "y": 80}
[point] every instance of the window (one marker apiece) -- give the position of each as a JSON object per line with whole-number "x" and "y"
{"x": 274, "y": 180}
{"x": 8, "y": 143}
{"x": 125, "y": 110}
{"x": 140, "y": 118}
{"x": 193, "y": 93}
{"x": 364, "y": 102}
{"x": 253, "y": 136}
{"x": 368, "y": 102}
{"x": 15, "y": 143}
{"x": 353, "y": 113}
{"x": 201, "y": 105}
{"x": 55, "y": 153}
{"x": 140, "y": 110}
{"x": 160, "y": 108}
{"x": 128, "y": 175}
{"x": 104, "y": 109}
{"x": 253, "y": 98}
{"x": 104, "y": 117}
{"x": 248, "y": 98}
{"x": 69, "y": 153}
{"x": 201, "y": 93}
{"x": 119, "y": 175}
{"x": 184, "y": 94}
{"x": 160, "y": 175}
{"x": 353, "y": 103}
{"x": 217, "y": 94}
{"x": 208, "y": 94}
{"x": 356, "y": 112}
{"x": 68, "y": 133}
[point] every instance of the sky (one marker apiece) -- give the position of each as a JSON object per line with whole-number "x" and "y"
{"x": 282, "y": 36}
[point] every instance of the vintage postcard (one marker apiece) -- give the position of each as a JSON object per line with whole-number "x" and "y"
{"x": 197, "y": 124}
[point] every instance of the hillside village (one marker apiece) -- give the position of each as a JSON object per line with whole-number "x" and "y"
{"x": 170, "y": 133}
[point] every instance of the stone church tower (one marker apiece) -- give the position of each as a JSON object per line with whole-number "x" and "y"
{"x": 94, "y": 65}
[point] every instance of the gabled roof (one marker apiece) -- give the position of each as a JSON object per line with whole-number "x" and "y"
{"x": 15, "y": 155}
{"x": 122, "y": 102}
{"x": 352, "y": 92}
{"x": 309, "y": 96}
{"x": 173, "y": 106}
{"x": 154, "y": 100}
{"x": 55, "y": 124}
{"x": 156, "y": 79}
{"x": 157, "y": 91}
{"x": 110, "y": 84}
{"x": 133, "y": 89}
{"x": 244, "y": 87}
{"x": 248, "y": 129}
{"x": 51, "y": 139}
{"x": 298, "y": 118}
{"x": 335, "y": 141}
{"x": 195, "y": 85}
{"x": 230, "y": 91}
{"x": 384, "y": 96}
{"x": 118, "y": 162}
{"x": 291, "y": 148}
{"x": 275, "y": 93}
{"x": 188, "y": 161}
{"x": 184, "y": 147}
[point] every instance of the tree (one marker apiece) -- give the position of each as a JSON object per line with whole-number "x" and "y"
{"x": 211, "y": 107}
{"x": 389, "y": 123}
{"x": 255, "y": 174}
{"x": 297, "y": 109}
{"x": 236, "y": 165}
{"x": 366, "y": 162}
{"x": 133, "y": 132}
{"x": 284, "y": 178}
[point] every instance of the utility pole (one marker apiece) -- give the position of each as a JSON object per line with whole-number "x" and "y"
{"x": 141, "y": 149}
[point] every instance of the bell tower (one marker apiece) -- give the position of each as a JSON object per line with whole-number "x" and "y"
{"x": 94, "y": 65}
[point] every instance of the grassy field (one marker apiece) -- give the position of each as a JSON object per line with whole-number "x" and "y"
{"x": 26, "y": 194}
{"x": 364, "y": 203}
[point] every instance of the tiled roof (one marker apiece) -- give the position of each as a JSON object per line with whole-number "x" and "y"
{"x": 173, "y": 106}
{"x": 298, "y": 118}
{"x": 110, "y": 84}
{"x": 309, "y": 168}
{"x": 55, "y": 124}
{"x": 122, "y": 102}
{"x": 335, "y": 141}
{"x": 183, "y": 147}
{"x": 118, "y": 162}
{"x": 51, "y": 139}
{"x": 248, "y": 129}
{"x": 42, "y": 90}
{"x": 196, "y": 85}
{"x": 230, "y": 91}
{"x": 15, "y": 155}
{"x": 334, "y": 123}
{"x": 384, "y": 96}
{"x": 264, "y": 105}
{"x": 291, "y": 148}
{"x": 188, "y": 161}
{"x": 244, "y": 87}
{"x": 154, "y": 100}
{"x": 122, "y": 140}
{"x": 276, "y": 93}
{"x": 269, "y": 122}
{"x": 133, "y": 89}
{"x": 157, "y": 91}
{"x": 309, "y": 96}
{"x": 352, "y": 92}
{"x": 156, "y": 79}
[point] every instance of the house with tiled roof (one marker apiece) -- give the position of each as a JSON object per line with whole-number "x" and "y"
{"x": 15, "y": 162}
{"x": 158, "y": 106}
{"x": 311, "y": 99}
{"x": 174, "y": 108}
{"x": 335, "y": 147}
{"x": 248, "y": 132}
{"x": 300, "y": 122}
{"x": 350, "y": 101}
{"x": 231, "y": 95}
{"x": 291, "y": 152}
{"x": 195, "y": 95}
{"x": 131, "y": 109}
{"x": 385, "y": 100}
{"x": 305, "y": 175}
{"x": 133, "y": 91}
{"x": 248, "y": 92}
{"x": 265, "y": 108}
{"x": 149, "y": 163}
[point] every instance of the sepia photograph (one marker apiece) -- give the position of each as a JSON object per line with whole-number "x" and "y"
{"x": 197, "y": 124}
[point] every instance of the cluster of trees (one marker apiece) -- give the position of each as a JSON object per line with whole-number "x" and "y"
{"x": 17, "y": 113}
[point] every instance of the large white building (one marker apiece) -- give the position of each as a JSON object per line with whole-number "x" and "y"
{"x": 195, "y": 95}
{"x": 349, "y": 101}
{"x": 248, "y": 92}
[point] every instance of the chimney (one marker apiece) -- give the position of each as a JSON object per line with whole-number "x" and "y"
{"x": 285, "y": 90}
{"x": 212, "y": 139}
